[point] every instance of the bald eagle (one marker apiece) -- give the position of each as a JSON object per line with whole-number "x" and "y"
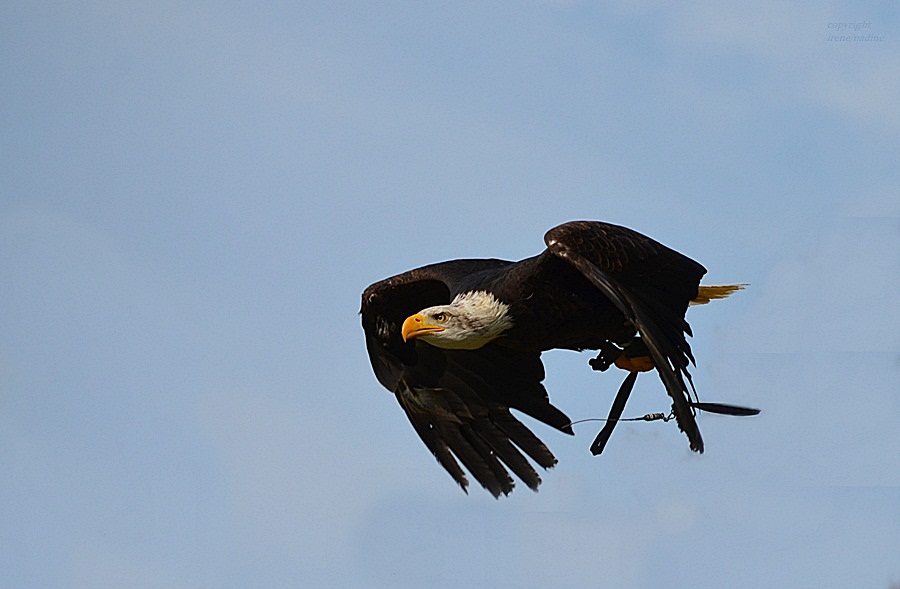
{"x": 459, "y": 343}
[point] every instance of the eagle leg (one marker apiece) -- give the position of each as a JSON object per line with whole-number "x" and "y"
{"x": 635, "y": 357}
{"x": 636, "y": 348}
{"x": 615, "y": 412}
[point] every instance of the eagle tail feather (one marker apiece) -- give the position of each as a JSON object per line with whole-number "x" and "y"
{"x": 709, "y": 292}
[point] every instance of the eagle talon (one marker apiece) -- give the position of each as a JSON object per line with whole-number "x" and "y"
{"x": 607, "y": 356}
{"x": 635, "y": 357}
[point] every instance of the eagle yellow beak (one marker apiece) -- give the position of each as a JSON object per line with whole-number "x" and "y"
{"x": 416, "y": 325}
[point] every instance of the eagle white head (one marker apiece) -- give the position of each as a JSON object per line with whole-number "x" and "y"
{"x": 471, "y": 321}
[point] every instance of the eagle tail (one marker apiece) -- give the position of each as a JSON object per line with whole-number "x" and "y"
{"x": 709, "y": 292}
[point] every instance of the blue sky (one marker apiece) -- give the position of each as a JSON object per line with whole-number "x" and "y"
{"x": 195, "y": 195}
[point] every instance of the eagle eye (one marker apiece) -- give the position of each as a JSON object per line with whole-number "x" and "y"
{"x": 441, "y": 317}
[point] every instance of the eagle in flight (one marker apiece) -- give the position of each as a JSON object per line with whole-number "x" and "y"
{"x": 459, "y": 343}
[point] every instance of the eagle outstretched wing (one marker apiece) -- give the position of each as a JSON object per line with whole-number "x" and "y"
{"x": 459, "y": 401}
{"x": 652, "y": 286}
